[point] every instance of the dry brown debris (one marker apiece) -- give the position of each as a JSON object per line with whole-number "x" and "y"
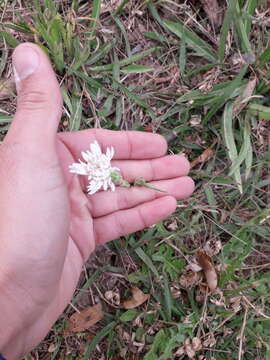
{"x": 208, "y": 269}
{"x": 138, "y": 298}
{"x": 83, "y": 320}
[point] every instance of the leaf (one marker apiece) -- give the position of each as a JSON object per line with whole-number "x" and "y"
{"x": 205, "y": 156}
{"x": 224, "y": 33}
{"x": 230, "y": 142}
{"x": 246, "y": 148}
{"x": 96, "y": 7}
{"x": 81, "y": 321}
{"x": 129, "y": 315}
{"x": 263, "y": 112}
{"x": 208, "y": 268}
{"x": 136, "y": 69}
{"x": 3, "y": 61}
{"x": 9, "y": 38}
{"x": 192, "y": 40}
{"x": 190, "y": 279}
{"x": 99, "y": 336}
{"x": 126, "y": 61}
{"x": 146, "y": 259}
{"x": 4, "y": 118}
{"x": 137, "y": 299}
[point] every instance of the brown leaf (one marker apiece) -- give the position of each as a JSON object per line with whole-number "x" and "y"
{"x": 137, "y": 298}
{"x": 196, "y": 344}
{"x": 7, "y": 89}
{"x": 190, "y": 279}
{"x": 86, "y": 318}
{"x": 212, "y": 247}
{"x": 208, "y": 268}
{"x": 213, "y": 11}
{"x": 205, "y": 156}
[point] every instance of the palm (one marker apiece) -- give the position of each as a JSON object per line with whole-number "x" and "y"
{"x": 104, "y": 216}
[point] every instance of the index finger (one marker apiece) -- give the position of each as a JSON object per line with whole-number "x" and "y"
{"x": 127, "y": 144}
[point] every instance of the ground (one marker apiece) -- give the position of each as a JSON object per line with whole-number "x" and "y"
{"x": 198, "y": 73}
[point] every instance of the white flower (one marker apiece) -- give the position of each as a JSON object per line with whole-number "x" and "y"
{"x": 97, "y": 167}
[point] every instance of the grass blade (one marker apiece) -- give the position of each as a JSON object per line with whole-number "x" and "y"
{"x": 192, "y": 40}
{"x": 124, "y": 62}
{"x": 136, "y": 69}
{"x": 224, "y": 33}
{"x": 244, "y": 151}
{"x": 99, "y": 336}
{"x": 9, "y": 39}
{"x": 230, "y": 142}
{"x": 263, "y": 112}
{"x": 146, "y": 259}
{"x": 123, "y": 31}
{"x": 96, "y": 7}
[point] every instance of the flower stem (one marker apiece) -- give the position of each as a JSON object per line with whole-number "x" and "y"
{"x": 118, "y": 180}
{"x": 142, "y": 182}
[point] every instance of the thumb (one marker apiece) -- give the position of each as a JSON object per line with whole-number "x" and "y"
{"x": 39, "y": 101}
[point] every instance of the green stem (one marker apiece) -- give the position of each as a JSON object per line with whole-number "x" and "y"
{"x": 142, "y": 182}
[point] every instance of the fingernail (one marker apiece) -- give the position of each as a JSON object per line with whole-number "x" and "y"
{"x": 25, "y": 62}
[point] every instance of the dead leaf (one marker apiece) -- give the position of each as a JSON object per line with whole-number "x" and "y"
{"x": 212, "y": 247}
{"x": 137, "y": 299}
{"x": 7, "y": 88}
{"x": 208, "y": 269}
{"x": 52, "y": 348}
{"x": 190, "y": 279}
{"x": 81, "y": 321}
{"x": 113, "y": 296}
{"x": 213, "y": 11}
{"x": 196, "y": 344}
{"x": 205, "y": 156}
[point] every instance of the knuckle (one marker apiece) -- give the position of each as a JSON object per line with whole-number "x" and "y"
{"x": 33, "y": 100}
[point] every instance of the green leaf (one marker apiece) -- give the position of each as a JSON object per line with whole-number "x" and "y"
{"x": 126, "y": 61}
{"x": 241, "y": 28}
{"x": 192, "y": 40}
{"x": 228, "y": 18}
{"x": 244, "y": 151}
{"x": 9, "y": 38}
{"x": 136, "y": 69}
{"x": 129, "y": 315}
{"x": 3, "y": 61}
{"x": 146, "y": 259}
{"x": 99, "y": 336}
{"x": 264, "y": 57}
{"x": 5, "y": 119}
{"x": 100, "y": 53}
{"x": 125, "y": 35}
{"x": 106, "y": 109}
{"x": 230, "y": 142}
{"x": 136, "y": 99}
{"x": 263, "y": 112}
{"x": 96, "y": 7}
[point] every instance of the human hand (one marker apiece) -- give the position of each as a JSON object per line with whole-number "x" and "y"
{"x": 48, "y": 224}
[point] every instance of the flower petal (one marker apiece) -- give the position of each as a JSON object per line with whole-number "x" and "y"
{"x": 78, "y": 168}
